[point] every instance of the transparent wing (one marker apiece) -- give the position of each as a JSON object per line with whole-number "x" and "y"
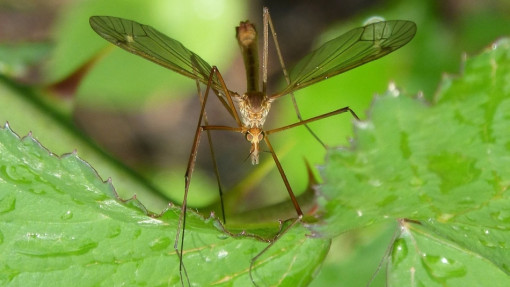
{"x": 350, "y": 50}
{"x": 152, "y": 45}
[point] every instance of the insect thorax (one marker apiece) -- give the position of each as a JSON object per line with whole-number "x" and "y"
{"x": 254, "y": 107}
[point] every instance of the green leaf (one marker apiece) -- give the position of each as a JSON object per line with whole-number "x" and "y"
{"x": 61, "y": 224}
{"x": 454, "y": 228}
{"x": 27, "y": 110}
{"x": 443, "y": 167}
{"x": 422, "y": 257}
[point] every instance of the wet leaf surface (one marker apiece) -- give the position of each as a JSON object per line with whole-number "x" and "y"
{"x": 442, "y": 165}
{"x": 59, "y": 222}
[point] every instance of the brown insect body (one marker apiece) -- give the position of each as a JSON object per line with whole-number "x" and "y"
{"x": 254, "y": 105}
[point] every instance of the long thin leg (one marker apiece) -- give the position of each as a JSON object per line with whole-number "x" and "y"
{"x": 191, "y": 166}
{"x": 268, "y": 21}
{"x": 228, "y": 95}
{"x": 294, "y": 202}
{"x": 304, "y": 122}
{"x": 187, "y": 180}
{"x": 213, "y": 157}
{"x": 286, "y": 182}
{"x": 189, "y": 172}
{"x": 284, "y": 177}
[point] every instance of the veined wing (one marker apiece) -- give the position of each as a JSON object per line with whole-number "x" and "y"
{"x": 350, "y": 50}
{"x": 153, "y": 45}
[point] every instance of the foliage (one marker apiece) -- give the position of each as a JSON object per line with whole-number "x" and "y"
{"x": 427, "y": 179}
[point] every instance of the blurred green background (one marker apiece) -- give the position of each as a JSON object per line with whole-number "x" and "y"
{"x": 146, "y": 115}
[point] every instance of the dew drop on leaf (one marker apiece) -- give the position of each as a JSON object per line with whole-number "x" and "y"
{"x": 222, "y": 236}
{"x": 34, "y": 153}
{"x": 114, "y": 231}
{"x": 442, "y": 268}
{"x": 501, "y": 215}
{"x": 416, "y": 181}
{"x": 160, "y": 243}
{"x": 67, "y": 215}
{"x": 48, "y": 244}
{"x": 222, "y": 253}
{"x": 399, "y": 251}
{"x": 488, "y": 243}
{"x": 7, "y": 203}
{"x": 18, "y": 174}
{"x": 37, "y": 191}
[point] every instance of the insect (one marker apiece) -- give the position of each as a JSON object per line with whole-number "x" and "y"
{"x": 349, "y": 50}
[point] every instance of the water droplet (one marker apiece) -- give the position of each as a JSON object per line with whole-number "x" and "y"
{"x": 7, "y": 203}
{"x": 416, "y": 181}
{"x": 399, "y": 251}
{"x": 488, "y": 243}
{"x": 77, "y": 201}
{"x": 33, "y": 148}
{"x": 222, "y": 254}
{"x": 387, "y": 200}
{"x": 501, "y": 215}
{"x": 444, "y": 217}
{"x": 67, "y": 215}
{"x": 393, "y": 90}
{"x": 160, "y": 243}
{"x": 375, "y": 182}
{"x": 137, "y": 233}
{"x": 49, "y": 244}
{"x": 37, "y": 191}
{"x": 455, "y": 170}
{"x": 113, "y": 231}
{"x": 443, "y": 268}
{"x": 222, "y": 236}
{"x": 359, "y": 212}
{"x": 17, "y": 173}
{"x": 502, "y": 227}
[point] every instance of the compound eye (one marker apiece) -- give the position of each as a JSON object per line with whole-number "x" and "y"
{"x": 249, "y": 137}
{"x": 261, "y": 137}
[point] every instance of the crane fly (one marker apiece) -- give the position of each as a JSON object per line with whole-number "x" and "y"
{"x": 352, "y": 49}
